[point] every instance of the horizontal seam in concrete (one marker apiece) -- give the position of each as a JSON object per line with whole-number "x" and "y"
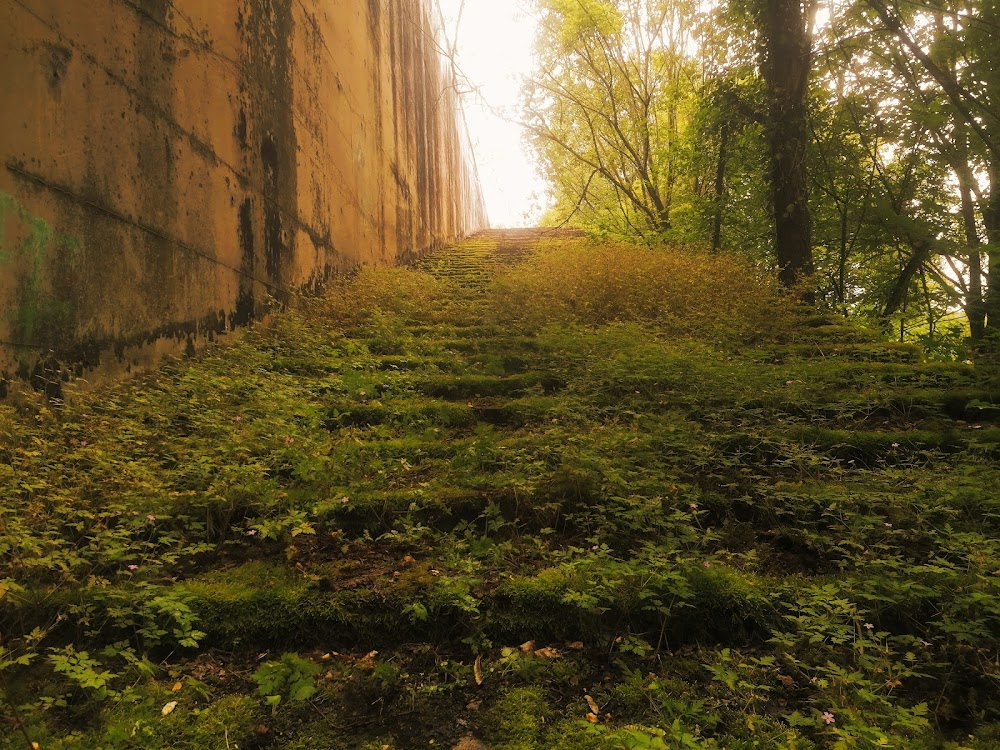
{"x": 198, "y": 145}
{"x": 347, "y": 94}
{"x": 194, "y": 40}
{"x": 72, "y": 195}
{"x": 38, "y": 347}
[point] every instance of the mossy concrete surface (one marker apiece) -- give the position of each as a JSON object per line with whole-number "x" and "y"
{"x": 480, "y": 501}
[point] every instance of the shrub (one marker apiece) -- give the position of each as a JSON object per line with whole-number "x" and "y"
{"x": 687, "y": 293}
{"x": 388, "y": 291}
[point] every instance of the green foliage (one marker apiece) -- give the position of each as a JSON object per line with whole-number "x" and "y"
{"x": 292, "y": 678}
{"x": 683, "y": 293}
{"x": 585, "y": 17}
{"x": 608, "y": 111}
{"x": 650, "y": 121}
{"x": 584, "y": 473}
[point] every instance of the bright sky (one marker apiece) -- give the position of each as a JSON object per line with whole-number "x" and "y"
{"x": 494, "y": 51}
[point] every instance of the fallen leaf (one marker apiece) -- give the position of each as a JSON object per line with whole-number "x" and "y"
{"x": 477, "y": 670}
{"x": 262, "y": 729}
{"x": 177, "y": 687}
{"x": 409, "y": 559}
{"x": 169, "y": 708}
{"x": 593, "y": 704}
{"x": 474, "y": 705}
{"x": 35, "y": 746}
{"x": 527, "y": 647}
{"x": 547, "y": 653}
{"x": 575, "y": 646}
{"x": 592, "y": 718}
{"x": 786, "y": 680}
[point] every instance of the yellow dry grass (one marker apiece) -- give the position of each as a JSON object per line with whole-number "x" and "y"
{"x": 686, "y": 293}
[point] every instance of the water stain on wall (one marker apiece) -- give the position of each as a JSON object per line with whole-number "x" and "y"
{"x": 194, "y": 163}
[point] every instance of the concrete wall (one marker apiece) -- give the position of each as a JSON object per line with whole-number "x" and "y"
{"x": 167, "y": 166}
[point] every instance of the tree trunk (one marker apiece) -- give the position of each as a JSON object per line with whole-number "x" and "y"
{"x": 785, "y": 28}
{"x": 720, "y": 188}
{"x": 991, "y": 218}
{"x": 920, "y": 253}
{"x": 974, "y": 307}
{"x": 845, "y": 240}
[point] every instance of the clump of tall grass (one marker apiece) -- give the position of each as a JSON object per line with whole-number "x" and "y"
{"x": 683, "y": 292}
{"x": 399, "y": 292}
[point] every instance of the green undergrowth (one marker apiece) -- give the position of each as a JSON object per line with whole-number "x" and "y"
{"x": 532, "y": 491}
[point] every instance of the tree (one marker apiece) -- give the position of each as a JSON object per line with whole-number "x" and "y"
{"x": 608, "y": 108}
{"x": 785, "y": 28}
{"x": 957, "y": 56}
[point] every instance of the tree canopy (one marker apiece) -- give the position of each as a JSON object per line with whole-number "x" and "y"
{"x": 852, "y": 145}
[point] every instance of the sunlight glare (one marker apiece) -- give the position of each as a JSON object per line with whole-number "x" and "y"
{"x": 493, "y": 53}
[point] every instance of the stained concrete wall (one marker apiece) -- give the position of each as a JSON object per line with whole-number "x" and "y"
{"x": 168, "y": 166}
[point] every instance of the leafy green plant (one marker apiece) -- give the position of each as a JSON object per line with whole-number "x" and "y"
{"x": 291, "y": 678}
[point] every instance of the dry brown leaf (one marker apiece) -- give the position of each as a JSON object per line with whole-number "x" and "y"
{"x": 592, "y": 718}
{"x": 547, "y": 653}
{"x": 575, "y": 646}
{"x": 177, "y": 687}
{"x": 473, "y": 705}
{"x": 593, "y": 704}
{"x": 527, "y": 647}
{"x": 786, "y": 680}
{"x": 169, "y": 708}
{"x": 477, "y": 670}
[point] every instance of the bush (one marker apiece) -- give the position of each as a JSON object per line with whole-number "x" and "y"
{"x": 687, "y": 293}
{"x": 388, "y": 291}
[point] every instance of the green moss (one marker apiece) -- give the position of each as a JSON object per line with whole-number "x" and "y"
{"x": 517, "y": 720}
{"x": 405, "y": 413}
{"x": 478, "y": 386}
{"x": 272, "y": 605}
{"x": 834, "y": 352}
{"x": 191, "y": 725}
{"x": 482, "y": 482}
{"x": 524, "y": 608}
{"x": 868, "y": 448}
{"x": 844, "y": 333}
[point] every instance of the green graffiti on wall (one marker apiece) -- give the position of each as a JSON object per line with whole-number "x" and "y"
{"x": 36, "y": 241}
{"x": 7, "y": 203}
